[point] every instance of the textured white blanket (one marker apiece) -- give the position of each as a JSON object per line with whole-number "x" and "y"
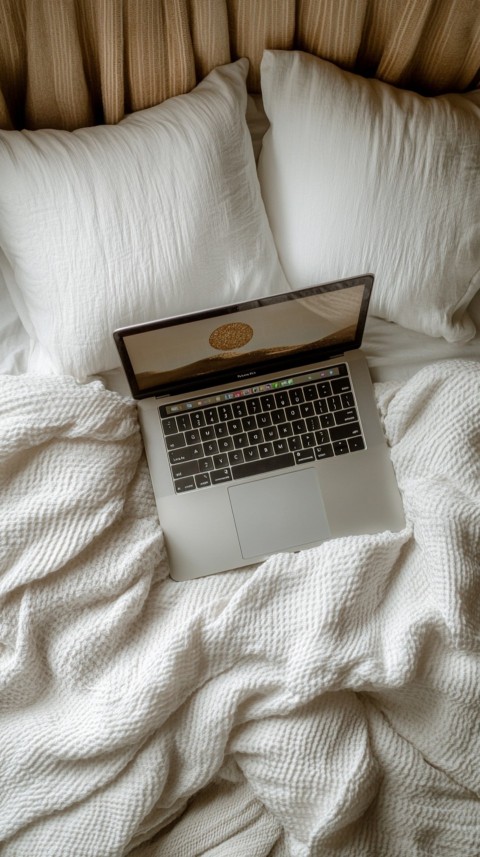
{"x": 325, "y": 703}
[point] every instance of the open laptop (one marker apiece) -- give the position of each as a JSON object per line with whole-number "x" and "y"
{"x": 260, "y": 427}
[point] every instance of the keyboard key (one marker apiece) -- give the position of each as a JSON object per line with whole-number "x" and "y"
{"x": 220, "y": 460}
{"x": 211, "y": 447}
{"x": 202, "y": 480}
{"x": 321, "y": 406}
{"x": 285, "y": 430}
{"x": 355, "y": 444}
{"x": 253, "y": 406}
{"x": 255, "y": 436}
{"x": 280, "y": 446}
{"x": 225, "y": 412}
{"x": 192, "y": 437}
{"x": 219, "y": 476}
{"x": 225, "y": 444}
{"x": 281, "y": 399}
{"x": 183, "y": 422}
{"x": 308, "y": 440}
{"x": 221, "y": 429}
{"x": 268, "y": 403}
{"x": 207, "y": 433}
{"x": 299, "y": 427}
{"x": 265, "y": 465}
{"x": 198, "y": 419}
{"x": 188, "y": 453}
{"x": 236, "y": 457}
{"x": 295, "y": 442}
{"x": 169, "y": 426}
{"x": 296, "y": 396}
{"x": 312, "y": 423}
{"x": 239, "y": 409}
{"x": 348, "y": 416}
{"x": 324, "y": 451}
{"x": 249, "y": 423}
{"x": 341, "y": 385}
{"x": 310, "y": 392}
{"x": 347, "y": 430}
{"x": 175, "y": 441}
{"x": 340, "y": 447}
{"x": 182, "y": 485}
{"x": 264, "y": 420}
{"x": 324, "y": 389}
{"x": 265, "y": 449}
{"x": 270, "y": 433}
{"x": 327, "y": 420}
{"x": 278, "y": 417}
{"x": 234, "y": 426}
{"x": 303, "y": 455}
{"x": 307, "y": 409}
{"x": 211, "y": 416}
{"x": 205, "y": 464}
{"x": 240, "y": 440}
{"x": 251, "y": 453}
{"x": 186, "y": 468}
{"x": 322, "y": 437}
{"x": 347, "y": 400}
{"x": 292, "y": 413}
{"x": 334, "y": 403}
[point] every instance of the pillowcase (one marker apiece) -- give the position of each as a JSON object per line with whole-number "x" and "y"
{"x": 15, "y": 343}
{"x": 113, "y": 225}
{"x": 360, "y": 177}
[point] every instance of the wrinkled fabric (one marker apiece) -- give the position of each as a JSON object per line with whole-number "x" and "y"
{"x": 321, "y": 703}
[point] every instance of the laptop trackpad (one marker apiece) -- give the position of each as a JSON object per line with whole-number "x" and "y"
{"x": 278, "y": 513}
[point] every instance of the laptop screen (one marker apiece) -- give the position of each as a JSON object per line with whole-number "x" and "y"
{"x": 237, "y": 342}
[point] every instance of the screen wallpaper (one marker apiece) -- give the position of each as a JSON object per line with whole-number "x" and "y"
{"x": 237, "y": 340}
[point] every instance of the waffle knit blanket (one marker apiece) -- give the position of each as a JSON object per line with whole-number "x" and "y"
{"x": 324, "y": 703}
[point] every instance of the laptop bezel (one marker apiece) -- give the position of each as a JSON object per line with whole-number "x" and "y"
{"x": 231, "y": 374}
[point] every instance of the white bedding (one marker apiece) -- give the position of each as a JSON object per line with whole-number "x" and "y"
{"x": 14, "y": 340}
{"x": 393, "y": 352}
{"x": 396, "y": 353}
{"x": 318, "y": 704}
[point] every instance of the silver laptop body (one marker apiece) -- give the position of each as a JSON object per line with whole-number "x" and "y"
{"x": 260, "y": 427}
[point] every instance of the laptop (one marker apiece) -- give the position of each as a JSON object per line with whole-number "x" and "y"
{"x": 260, "y": 427}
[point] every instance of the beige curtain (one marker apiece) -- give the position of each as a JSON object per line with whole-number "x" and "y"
{"x": 71, "y": 63}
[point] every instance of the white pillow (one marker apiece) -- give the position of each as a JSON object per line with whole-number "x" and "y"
{"x": 358, "y": 176}
{"x": 15, "y": 344}
{"x": 112, "y": 225}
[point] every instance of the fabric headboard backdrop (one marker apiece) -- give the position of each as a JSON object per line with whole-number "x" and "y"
{"x": 74, "y": 63}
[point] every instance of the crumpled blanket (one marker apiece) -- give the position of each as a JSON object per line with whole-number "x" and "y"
{"x": 322, "y": 703}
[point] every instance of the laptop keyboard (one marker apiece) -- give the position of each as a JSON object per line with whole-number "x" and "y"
{"x": 252, "y": 431}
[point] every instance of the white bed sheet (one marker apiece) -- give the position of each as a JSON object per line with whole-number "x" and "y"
{"x": 395, "y": 353}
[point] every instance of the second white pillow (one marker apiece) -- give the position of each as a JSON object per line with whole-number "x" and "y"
{"x": 360, "y": 177}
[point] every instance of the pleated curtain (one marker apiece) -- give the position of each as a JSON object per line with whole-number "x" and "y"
{"x": 72, "y": 63}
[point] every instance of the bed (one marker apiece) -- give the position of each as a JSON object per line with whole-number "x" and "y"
{"x": 318, "y": 703}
